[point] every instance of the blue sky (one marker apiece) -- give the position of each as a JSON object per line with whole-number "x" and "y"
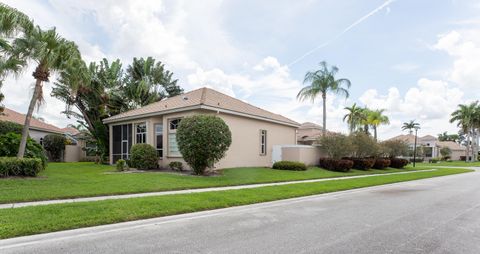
{"x": 414, "y": 58}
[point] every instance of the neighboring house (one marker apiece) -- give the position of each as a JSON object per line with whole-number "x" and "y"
{"x": 308, "y": 133}
{"x": 38, "y": 129}
{"x": 431, "y": 146}
{"x": 254, "y": 131}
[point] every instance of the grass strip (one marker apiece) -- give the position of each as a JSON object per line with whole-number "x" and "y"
{"x": 41, "y": 219}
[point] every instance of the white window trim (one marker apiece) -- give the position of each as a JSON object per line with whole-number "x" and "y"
{"x": 263, "y": 145}
{"x": 135, "y": 130}
{"x": 171, "y": 131}
{"x": 163, "y": 134}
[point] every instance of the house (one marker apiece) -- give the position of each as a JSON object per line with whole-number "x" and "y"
{"x": 308, "y": 133}
{"x": 254, "y": 131}
{"x": 431, "y": 146}
{"x": 38, "y": 129}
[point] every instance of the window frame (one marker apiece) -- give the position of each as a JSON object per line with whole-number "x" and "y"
{"x": 263, "y": 142}
{"x": 156, "y": 139}
{"x": 173, "y": 132}
{"x": 144, "y": 134}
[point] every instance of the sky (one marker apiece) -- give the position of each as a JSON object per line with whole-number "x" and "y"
{"x": 417, "y": 59}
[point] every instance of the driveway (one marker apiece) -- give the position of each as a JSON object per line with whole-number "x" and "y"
{"x": 439, "y": 215}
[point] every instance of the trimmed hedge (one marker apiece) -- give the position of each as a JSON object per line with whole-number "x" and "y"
{"x": 289, "y": 165}
{"x": 381, "y": 163}
{"x": 13, "y": 166}
{"x": 143, "y": 156}
{"x": 176, "y": 165}
{"x": 336, "y": 164}
{"x": 398, "y": 163}
{"x": 363, "y": 163}
{"x": 10, "y": 142}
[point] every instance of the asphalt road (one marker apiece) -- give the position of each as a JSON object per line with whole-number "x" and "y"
{"x": 439, "y": 215}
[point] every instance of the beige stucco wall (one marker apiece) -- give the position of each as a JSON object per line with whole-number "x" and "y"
{"x": 245, "y": 148}
{"x": 456, "y": 154}
{"x": 72, "y": 153}
{"x": 310, "y": 155}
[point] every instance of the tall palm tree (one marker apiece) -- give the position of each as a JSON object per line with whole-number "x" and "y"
{"x": 49, "y": 52}
{"x": 353, "y": 117}
{"x": 376, "y": 118}
{"x": 12, "y": 22}
{"x": 320, "y": 83}
{"x": 467, "y": 118}
{"x": 410, "y": 126}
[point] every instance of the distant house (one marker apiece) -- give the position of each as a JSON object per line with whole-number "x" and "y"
{"x": 38, "y": 129}
{"x": 308, "y": 133}
{"x": 431, "y": 146}
{"x": 255, "y": 131}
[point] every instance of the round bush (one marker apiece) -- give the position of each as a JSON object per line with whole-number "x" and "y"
{"x": 290, "y": 165}
{"x": 203, "y": 141}
{"x": 54, "y": 144}
{"x": 143, "y": 156}
{"x": 381, "y": 163}
{"x": 10, "y": 142}
{"x": 398, "y": 163}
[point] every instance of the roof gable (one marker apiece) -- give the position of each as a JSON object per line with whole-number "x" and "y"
{"x": 15, "y": 117}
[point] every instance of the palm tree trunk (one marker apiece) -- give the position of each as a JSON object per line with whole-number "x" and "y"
{"x": 28, "y": 117}
{"x": 468, "y": 148}
{"x": 324, "y": 98}
{"x": 375, "y": 132}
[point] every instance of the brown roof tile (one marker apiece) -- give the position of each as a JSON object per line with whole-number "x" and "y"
{"x": 205, "y": 97}
{"x": 13, "y": 116}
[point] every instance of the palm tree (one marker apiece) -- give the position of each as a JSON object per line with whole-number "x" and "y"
{"x": 410, "y": 126}
{"x": 353, "y": 117}
{"x": 376, "y": 118}
{"x": 50, "y": 53}
{"x": 12, "y": 22}
{"x": 320, "y": 83}
{"x": 147, "y": 81}
{"x": 467, "y": 118}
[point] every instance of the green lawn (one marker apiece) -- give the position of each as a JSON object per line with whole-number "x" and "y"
{"x": 451, "y": 164}
{"x": 41, "y": 219}
{"x": 69, "y": 180}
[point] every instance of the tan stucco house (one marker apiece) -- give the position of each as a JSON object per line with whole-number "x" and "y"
{"x": 432, "y": 146}
{"x": 254, "y": 131}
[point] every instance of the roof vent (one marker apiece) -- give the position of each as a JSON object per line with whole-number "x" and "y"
{"x": 185, "y": 98}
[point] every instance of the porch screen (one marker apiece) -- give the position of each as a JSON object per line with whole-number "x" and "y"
{"x": 122, "y": 141}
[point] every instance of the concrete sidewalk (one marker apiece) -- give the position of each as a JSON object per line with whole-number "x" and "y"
{"x": 162, "y": 193}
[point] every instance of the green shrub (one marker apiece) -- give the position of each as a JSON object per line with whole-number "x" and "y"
{"x": 12, "y": 166}
{"x": 10, "y": 142}
{"x": 363, "y": 146}
{"x": 434, "y": 160}
{"x": 176, "y": 165}
{"x": 290, "y": 165}
{"x": 121, "y": 165}
{"x": 203, "y": 140}
{"x": 398, "y": 163}
{"x": 394, "y": 148}
{"x": 6, "y": 127}
{"x": 340, "y": 165}
{"x": 446, "y": 152}
{"x": 381, "y": 163}
{"x": 54, "y": 144}
{"x": 143, "y": 156}
{"x": 336, "y": 146}
{"x": 363, "y": 163}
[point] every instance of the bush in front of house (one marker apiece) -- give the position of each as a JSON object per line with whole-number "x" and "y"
{"x": 203, "y": 140}
{"x": 394, "y": 148}
{"x": 13, "y": 166}
{"x": 143, "y": 156}
{"x": 6, "y": 127}
{"x": 363, "y": 146}
{"x": 362, "y": 163}
{"x": 336, "y": 146}
{"x": 290, "y": 165}
{"x": 54, "y": 144}
{"x": 340, "y": 165}
{"x": 381, "y": 163}
{"x": 398, "y": 163}
{"x": 10, "y": 142}
{"x": 176, "y": 165}
{"x": 121, "y": 165}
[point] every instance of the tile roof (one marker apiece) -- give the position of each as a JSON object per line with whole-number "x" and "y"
{"x": 201, "y": 98}
{"x": 13, "y": 116}
{"x": 70, "y": 130}
{"x": 311, "y": 132}
{"x": 452, "y": 145}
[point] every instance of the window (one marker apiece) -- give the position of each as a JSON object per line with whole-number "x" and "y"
{"x": 172, "y": 138}
{"x": 141, "y": 130}
{"x": 159, "y": 139}
{"x": 263, "y": 142}
{"x": 41, "y": 141}
{"x": 122, "y": 141}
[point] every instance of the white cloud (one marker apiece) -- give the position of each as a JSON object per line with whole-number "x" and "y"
{"x": 464, "y": 48}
